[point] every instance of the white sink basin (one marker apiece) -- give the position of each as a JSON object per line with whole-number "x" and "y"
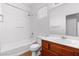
{"x": 64, "y": 41}
{"x": 52, "y": 37}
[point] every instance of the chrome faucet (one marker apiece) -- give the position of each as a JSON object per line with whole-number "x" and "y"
{"x": 63, "y": 37}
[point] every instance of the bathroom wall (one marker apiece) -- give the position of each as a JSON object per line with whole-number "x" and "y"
{"x": 0, "y": 9}
{"x": 15, "y": 28}
{"x": 0, "y": 27}
{"x": 39, "y": 25}
{"x": 57, "y": 17}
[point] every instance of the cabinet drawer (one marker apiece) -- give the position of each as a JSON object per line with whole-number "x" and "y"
{"x": 44, "y": 52}
{"x": 45, "y": 44}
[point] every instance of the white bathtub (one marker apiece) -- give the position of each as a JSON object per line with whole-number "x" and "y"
{"x": 16, "y": 50}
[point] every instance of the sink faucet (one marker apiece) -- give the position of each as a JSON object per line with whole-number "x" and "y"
{"x": 63, "y": 37}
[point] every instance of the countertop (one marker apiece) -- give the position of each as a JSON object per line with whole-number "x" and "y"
{"x": 57, "y": 39}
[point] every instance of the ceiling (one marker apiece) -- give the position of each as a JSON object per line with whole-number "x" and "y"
{"x": 39, "y": 5}
{"x": 34, "y": 7}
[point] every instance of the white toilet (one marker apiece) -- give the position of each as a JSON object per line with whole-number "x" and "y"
{"x": 35, "y": 48}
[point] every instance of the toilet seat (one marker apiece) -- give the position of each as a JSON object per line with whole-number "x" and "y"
{"x": 35, "y": 46}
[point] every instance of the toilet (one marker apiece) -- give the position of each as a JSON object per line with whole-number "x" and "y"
{"x": 35, "y": 48}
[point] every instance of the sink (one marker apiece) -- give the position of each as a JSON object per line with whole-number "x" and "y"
{"x": 64, "y": 41}
{"x": 69, "y": 41}
{"x": 53, "y": 37}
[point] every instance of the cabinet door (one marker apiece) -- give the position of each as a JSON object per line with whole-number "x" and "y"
{"x": 67, "y": 52}
{"x": 52, "y": 53}
{"x": 76, "y": 52}
{"x": 45, "y": 44}
{"x": 46, "y": 52}
{"x": 61, "y": 50}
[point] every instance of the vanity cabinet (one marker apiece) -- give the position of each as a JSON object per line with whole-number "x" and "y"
{"x": 56, "y": 49}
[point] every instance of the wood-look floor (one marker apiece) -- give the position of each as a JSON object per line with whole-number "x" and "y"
{"x": 29, "y": 53}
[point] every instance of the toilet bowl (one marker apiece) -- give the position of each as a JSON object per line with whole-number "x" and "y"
{"x": 35, "y": 48}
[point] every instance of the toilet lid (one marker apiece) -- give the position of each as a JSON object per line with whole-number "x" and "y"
{"x": 35, "y": 45}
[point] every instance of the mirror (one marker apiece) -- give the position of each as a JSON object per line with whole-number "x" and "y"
{"x": 66, "y": 26}
{"x": 72, "y": 24}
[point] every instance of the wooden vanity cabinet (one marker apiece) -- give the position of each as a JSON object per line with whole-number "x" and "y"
{"x": 45, "y": 44}
{"x": 55, "y": 49}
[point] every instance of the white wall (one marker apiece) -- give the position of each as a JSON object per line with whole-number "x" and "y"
{"x": 0, "y": 28}
{"x": 15, "y": 28}
{"x": 0, "y": 9}
{"x": 57, "y": 17}
{"x": 39, "y": 25}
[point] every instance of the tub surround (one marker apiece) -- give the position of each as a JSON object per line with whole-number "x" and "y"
{"x": 15, "y": 29}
